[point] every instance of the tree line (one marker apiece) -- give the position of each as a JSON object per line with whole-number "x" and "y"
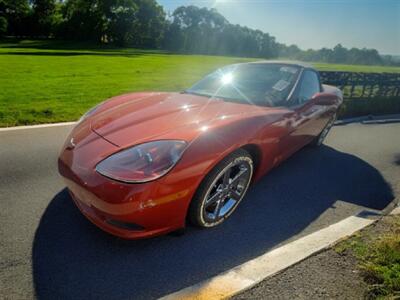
{"x": 144, "y": 24}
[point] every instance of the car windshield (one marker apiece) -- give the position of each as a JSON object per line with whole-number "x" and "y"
{"x": 259, "y": 84}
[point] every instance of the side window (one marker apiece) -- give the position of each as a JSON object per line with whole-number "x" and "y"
{"x": 309, "y": 86}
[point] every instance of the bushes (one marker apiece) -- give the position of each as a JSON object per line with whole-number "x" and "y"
{"x": 370, "y": 106}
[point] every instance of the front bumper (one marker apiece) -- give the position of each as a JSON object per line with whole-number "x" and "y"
{"x": 129, "y": 211}
{"x": 102, "y": 220}
{"x": 138, "y": 214}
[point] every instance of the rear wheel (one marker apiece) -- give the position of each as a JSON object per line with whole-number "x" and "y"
{"x": 222, "y": 190}
{"x": 321, "y": 137}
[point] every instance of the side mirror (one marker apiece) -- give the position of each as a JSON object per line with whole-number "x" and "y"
{"x": 325, "y": 99}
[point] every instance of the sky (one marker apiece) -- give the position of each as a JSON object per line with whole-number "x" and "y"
{"x": 314, "y": 23}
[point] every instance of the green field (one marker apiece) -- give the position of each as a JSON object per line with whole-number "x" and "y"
{"x": 42, "y": 82}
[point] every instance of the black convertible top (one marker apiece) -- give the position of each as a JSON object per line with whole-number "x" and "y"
{"x": 285, "y": 62}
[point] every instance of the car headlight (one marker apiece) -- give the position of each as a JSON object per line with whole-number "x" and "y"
{"x": 144, "y": 162}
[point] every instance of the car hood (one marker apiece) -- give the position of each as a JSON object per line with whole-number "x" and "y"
{"x": 136, "y": 118}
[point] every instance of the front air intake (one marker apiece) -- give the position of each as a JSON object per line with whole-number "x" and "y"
{"x": 125, "y": 225}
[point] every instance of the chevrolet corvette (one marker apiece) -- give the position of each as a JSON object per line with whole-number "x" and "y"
{"x": 145, "y": 164}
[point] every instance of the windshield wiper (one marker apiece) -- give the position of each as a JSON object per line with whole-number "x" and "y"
{"x": 195, "y": 93}
{"x": 222, "y": 98}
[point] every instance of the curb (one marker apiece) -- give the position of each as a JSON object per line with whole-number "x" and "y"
{"x": 250, "y": 273}
{"x": 370, "y": 119}
{"x": 395, "y": 211}
{"x": 36, "y": 126}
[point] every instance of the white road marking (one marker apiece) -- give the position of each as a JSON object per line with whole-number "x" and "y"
{"x": 252, "y": 272}
{"x": 37, "y": 126}
{"x": 395, "y": 211}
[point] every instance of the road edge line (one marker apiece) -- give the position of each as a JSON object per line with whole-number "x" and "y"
{"x": 395, "y": 211}
{"x": 248, "y": 274}
{"x": 36, "y": 126}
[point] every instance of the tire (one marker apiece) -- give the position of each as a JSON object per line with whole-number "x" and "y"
{"x": 221, "y": 190}
{"x": 318, "y": 141}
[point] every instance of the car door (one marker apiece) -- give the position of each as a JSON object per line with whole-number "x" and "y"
{"x": 307, "y": 113}
{"x": 303, "y": 123}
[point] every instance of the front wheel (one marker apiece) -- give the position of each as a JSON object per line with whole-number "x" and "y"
{"x": 321, "y": 137}
{"x": 222, "y": 190}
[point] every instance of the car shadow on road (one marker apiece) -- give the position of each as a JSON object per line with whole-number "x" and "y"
{"x": 72, "y": 259}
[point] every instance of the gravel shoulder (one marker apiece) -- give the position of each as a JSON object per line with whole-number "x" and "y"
{"x": 325, "y": 275}
{"x": 331, "y": 274}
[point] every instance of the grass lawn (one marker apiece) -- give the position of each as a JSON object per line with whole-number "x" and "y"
{"x": 377, "y": 249}
{"x": 42, "y": 81}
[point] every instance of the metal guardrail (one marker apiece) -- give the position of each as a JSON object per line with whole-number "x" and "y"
{"x": 364, "y": 85}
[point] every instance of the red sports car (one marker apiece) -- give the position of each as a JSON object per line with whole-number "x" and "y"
{"x": 143, "y": 164}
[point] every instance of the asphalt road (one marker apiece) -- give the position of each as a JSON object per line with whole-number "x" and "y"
{"x": 50, "y": 250}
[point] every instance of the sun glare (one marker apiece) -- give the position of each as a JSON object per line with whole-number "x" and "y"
{"x": 227, "y": 78}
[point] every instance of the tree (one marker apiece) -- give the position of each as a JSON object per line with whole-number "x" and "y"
{"x": 121, "y": 21}
{"x": 83, "y": 20}
{"x": 16, "y": 13}
{"x": 339, "y": 54}
{"x": 3, "y": 26}
{"x": 137, "y": 23}
{"x": 202, "y": 30}
{"x": 149, "y": 24}
{"x": 44, "y": 17}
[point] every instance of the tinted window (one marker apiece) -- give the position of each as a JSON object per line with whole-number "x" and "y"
{"x": 309, "y": 86}
{"x": 258, "y": 84}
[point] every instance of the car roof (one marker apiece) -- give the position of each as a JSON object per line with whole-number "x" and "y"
{"x": 284, "y": 62}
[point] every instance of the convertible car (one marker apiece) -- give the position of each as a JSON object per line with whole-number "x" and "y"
{"x": 144, "y": 164}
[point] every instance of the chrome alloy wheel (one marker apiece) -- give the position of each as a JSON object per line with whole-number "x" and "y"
{"x": 226, "y": 191}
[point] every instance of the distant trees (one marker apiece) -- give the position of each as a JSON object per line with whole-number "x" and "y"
{"x": 340, "y": 54}
{"x": 98, "y": 20}
{"x": 194, "y": 30}
{"x": 138, "y": 23}
{"x": 143, "y": 23}
{"x": 43, "y": 17}
{"x": 3, "y": 26}
{"x": 201, "y": 30}
{"x": 16, "y": 14}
